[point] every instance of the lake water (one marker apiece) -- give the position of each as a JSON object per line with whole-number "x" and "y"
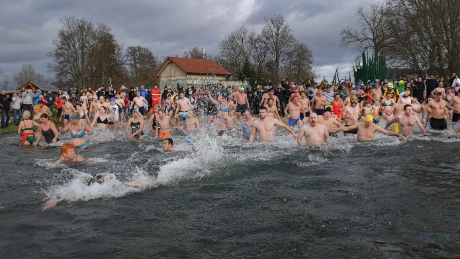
{"x": 221, "y": 198}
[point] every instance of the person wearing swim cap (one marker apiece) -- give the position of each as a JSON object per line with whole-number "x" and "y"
{"x": 293, "y": 110}
{"x": 365, "y": 131}
{"x": 350, "y": 114}
{"x": 406, "y": 122}
{"x": 315, "y": 134}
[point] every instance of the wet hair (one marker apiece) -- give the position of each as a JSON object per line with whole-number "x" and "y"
{"x": 170, "y": 141}
{"x": 66, "y": 147}
{"x": 44, "y": 115}
{"x": 407, "y": 105}
{"x": 26, "y": 115}
{"x": 74, "y": 116}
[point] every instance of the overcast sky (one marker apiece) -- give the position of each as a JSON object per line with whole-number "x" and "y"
{"x": 168, "y": 28}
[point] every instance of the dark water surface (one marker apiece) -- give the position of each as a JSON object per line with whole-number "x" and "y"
{"x": 223, "y": 199}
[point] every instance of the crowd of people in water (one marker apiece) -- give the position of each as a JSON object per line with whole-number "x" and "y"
{"x": 315, "y": 112}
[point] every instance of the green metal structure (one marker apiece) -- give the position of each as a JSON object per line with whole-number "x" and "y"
{"x": 371, "y": 68}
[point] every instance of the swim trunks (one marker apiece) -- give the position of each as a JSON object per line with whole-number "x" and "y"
{"x": 293, "y": 122}
{"x": 241, "y": 108}
{"x": 66, "y": 116}
{"x": 82, "y": 145}
{"x": 455, "y": 117}
{"x": 319, "y": 111}
{"x": 438, "y": 124}
{"x": 376, "y": 119}
{"x": 183, "y": 116}
{"x": 29, "y": 137}
{"x": 164, "y": 135}
{"x": 355, "y": 131}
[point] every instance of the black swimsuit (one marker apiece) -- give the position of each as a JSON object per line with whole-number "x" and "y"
{"x": 106, "y": 121}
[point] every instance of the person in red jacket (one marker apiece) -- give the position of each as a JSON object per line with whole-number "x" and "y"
{"x": 156, "y": 96}
{"x": 58, "y": 104}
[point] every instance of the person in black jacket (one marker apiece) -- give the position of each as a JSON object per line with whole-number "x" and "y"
{"x": 5, "y": 103}
{"x": 431, "y": 84}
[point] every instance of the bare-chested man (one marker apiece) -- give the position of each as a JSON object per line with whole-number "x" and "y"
{"x": 328, "y": 120}
{"x": 438, "y": 109}
{"x": 192, "y": 123}
{"x": 183, "y": 106}
{"x": 140, "y": 102}
{"x": 44, "y": 108}
{"x": 230, "y": 124}
{"x": 163, "y": 123}
{"x": 376, "y": 93}
{"x": 366, "y": 130}
{"x": 242, "y": 102}
{"x": 94, "y": 107}
{"x": 67, "y": 109}
{"x": 315, "y": 133}
{"x": 293, "y": 110}
{"x": 406, "y": 121}
{"x": 398, "y": 108}
{"x": 304, "y": 106}
{"x": 455, "y": 102}
{"x": 319, "y": 101}
{"x": 272, "y": 109}
{"x": 265, "y": 127}
{"x": 351, "y": 114}
{"x": 271, "y": 94}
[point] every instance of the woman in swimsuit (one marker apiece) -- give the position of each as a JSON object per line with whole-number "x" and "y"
{"x": 135, "y": 126}
{"x": 68, "y": 154}
{"x": 77, "y": 130}
{"x": 26, "y": 129}
{"x": 102, "y": 118}
{"x": 222, "y": 106}
{"x": 337, "y": 105}
{"x": 47, "y": 130}
{"x": 387, "y": 107}
{"x": 82, "y": 113}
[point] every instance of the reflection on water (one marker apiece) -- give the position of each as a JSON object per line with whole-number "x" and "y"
{"x": 219, "y": 197}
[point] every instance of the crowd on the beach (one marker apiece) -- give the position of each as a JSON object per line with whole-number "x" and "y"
{"x": 316, "y": 111}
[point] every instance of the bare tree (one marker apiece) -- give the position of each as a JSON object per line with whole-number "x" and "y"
{"x": 6, "y": 81}
{"x": 141, "y": 65}
{"x": 426, "y": 35}
{"x": 233, "y": 51}
{"x": 371, "y": 31}
{"x": 27, "y": 74}
{"x": 279, "y": 40}
{"x": 298, "y": 66}
{"x": 84, "y": 55}
{"x": 196, "y": 53}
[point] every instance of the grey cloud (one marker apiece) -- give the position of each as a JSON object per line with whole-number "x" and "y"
{"x": 169, "y": 28}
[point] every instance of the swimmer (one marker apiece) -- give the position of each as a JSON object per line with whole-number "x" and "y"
{"x": 183, "y": 106}
{"x": 26, "y": 130}
{"x": 351, "y": 114}
{"x": 328, "y": 120}
{"x": 77, "y": 130}
{"x": 48, "y": 130}
{"x": 293, "y": 110}
{"x": 366, "y": 130}
{"x": 67, "y": 109}
{"x": 315, "y": 134}
{"x": 163, "y": 123}
{"x": 406, "y": 122}
{"x": 229, "y": 122}
{"x": 68, "y": 154}
{"x": 192, "y": 123}
{"x": 135, "y": 125}
{"x": 265, "y": 127}
{"x": 168, "y": 145}
{"x": 102, "y": 118}
{"x": 438, "y": 111}
{"x": 272, "y": 110}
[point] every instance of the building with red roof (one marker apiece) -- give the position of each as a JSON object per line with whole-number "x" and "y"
{"x": 186, "y": 71}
